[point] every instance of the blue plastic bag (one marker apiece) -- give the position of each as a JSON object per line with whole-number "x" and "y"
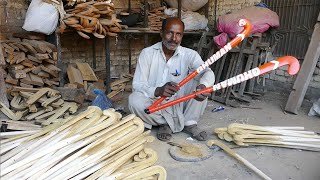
{"x": 102, "y": 101}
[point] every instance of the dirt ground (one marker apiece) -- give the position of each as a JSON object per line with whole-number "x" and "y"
{"x": 277, "y": 163}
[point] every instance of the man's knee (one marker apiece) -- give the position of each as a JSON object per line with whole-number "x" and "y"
{"x": 137, "y": 101}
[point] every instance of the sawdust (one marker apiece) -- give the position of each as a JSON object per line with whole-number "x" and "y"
{"x": 190, "y": 151}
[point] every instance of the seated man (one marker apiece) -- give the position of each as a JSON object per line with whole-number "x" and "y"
{"x": 159, "y": 69}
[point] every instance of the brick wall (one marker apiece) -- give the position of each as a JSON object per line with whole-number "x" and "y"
{"x": 77, "y": 49}
{"x": 12, "y": 14}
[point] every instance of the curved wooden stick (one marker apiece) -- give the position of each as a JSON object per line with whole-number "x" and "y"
{"x": 233, "y": 43}
{"x": 238, "y": 157}
{"x": 272, "y": 65}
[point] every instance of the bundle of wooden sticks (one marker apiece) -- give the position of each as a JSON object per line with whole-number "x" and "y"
{"x": 277, "y": 136}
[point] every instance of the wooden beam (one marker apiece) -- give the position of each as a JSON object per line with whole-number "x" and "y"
{"x": 308, "y": 66}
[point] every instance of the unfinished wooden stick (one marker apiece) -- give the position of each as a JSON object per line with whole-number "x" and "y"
{"x": 153, "y": 170}
{"x": 238, "y": 157}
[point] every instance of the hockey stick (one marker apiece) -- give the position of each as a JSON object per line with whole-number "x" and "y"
{"x": 272, "y": 65}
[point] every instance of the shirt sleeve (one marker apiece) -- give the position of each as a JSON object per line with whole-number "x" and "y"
{"x": 141, "y": 76}
{"x": 206, "y": 76}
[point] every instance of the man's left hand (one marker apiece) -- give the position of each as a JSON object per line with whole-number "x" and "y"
{"x": 202, "y": 96}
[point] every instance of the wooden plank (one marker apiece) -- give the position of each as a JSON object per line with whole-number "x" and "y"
{"x": 12, "y": 81}
{"x": 2, "y": 60}
{"x": 17, "y": 74}
{"x": 3, "y": 90}
{"x": 303, "y": 79}
{"x": 36, "y": 80}
{"x": 86, "y": 72}
{"x": 75, "y": 76}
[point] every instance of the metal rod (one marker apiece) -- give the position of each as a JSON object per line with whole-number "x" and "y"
{"x": 129, "y": 52}
{"x": 179, "y": 9}
{"x": 108, "y": 64}
{"x": 94, "y": 60}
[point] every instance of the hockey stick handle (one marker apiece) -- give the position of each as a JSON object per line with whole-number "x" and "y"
{"x": 233, "y": 43}
{"x": 293, "y": 68}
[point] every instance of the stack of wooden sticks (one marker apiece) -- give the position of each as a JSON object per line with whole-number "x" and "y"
{"x": 277, "y": 136}
{"x": 93, "y": 144}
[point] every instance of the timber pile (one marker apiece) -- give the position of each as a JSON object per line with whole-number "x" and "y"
{"x": 120, "y": 85}
{"x": 41, "y": 106}
{"x": 287, "y": 137}
{"x": 155, "y": 17}
{"x": 30, "y": 63}
{"x": 93, "y": 144}
{"x": 92, "y": 17}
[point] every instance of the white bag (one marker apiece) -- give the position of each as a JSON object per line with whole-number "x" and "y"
{"x": 41, "y": 17}
{"x": 188, "y": 5}
{"x": 194, "y": 20}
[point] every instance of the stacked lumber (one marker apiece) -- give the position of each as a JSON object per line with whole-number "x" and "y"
{"x": 41, "y": 106}
{"x": 155, "y": 17}
{"x": 120, "y": 85}
{"x": 93, "y": 144}
{"x": 277, "y": 136}
{"x": 92, "y": 17}
{"x": 30, "y": 63}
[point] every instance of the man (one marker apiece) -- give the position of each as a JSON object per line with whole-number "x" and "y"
{"x": 159, "y": 69}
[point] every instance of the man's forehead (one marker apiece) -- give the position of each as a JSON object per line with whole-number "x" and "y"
{"x": 173, "y": 23}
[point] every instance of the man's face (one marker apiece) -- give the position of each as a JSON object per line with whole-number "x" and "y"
{"x": 172, "y": 35}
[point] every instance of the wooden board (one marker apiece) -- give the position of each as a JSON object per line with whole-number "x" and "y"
{"x": 2, "y": 60}
{"x": 36, "y": 80}
{"x": 86, "y": 72}
{"x": 308, "y": 66}
{"x": 75, "y": 76}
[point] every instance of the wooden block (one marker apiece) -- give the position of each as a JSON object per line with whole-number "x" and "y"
{"x": 39, "y": 46}
{"x": 17, "y": 74}
{"x": 52, "y": 73}
{"x": 20, "y": 89}
{"x": 71, "y": 94}
{"x": 42, "y": 56}
{"x": 34, "y": 59}
{"x": 52, "y": 67}
{"x": 36, "y": 70}
{"x": 21, "y": 47}
{"x": 26, "y": 80}
{"x": 13, "y": 46}
{"x": 2, "y": 60}
{"x": 30, "y": 35}
{"x": 50, "y": 61}
{"x": 28, "y": 69}
{"x": 12, "y": 81}
{"x": 16, "y": 67}
{"x": 29, "y": 47}
{"x": 74, "y": 86}
{"x": 75, "y": 76}
{"x": 43, "y": 74}
{"x": 27, "y": 63}
{"x": 55, "y": 56}
{"x": 7, "y": 47}
{"x": 23, "y": 85}
{"x": 86, "y": 72}
{"x": 50, "y": 83}
{"x": 36, "y": 80}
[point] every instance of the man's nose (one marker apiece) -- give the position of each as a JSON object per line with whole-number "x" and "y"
{"x": 174, "y": 37}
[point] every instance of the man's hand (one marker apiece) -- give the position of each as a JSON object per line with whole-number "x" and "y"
{"x": 167, "y": 90}
{"x": 202, "y": 96}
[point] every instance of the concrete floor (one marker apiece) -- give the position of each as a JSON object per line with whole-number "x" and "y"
{"x": 277, "y": 163}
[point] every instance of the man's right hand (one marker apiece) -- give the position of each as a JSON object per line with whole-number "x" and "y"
{"x": 167, "y": 90}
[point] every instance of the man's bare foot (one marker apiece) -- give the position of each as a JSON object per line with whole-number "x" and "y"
{"x": 164, "y": 133}
{"x": 195, "y": 132}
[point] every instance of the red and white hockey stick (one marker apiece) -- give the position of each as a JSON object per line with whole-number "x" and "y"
{"x": 233, "y": 43}
{"x": 293, "y": 68}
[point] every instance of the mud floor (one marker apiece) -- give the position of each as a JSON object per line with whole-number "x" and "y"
{"x": 277, "y": 163}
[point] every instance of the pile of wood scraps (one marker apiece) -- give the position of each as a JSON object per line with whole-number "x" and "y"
{"x": 122, "y": 84}
{"x": 30, "y": 63}
{"x": 94, "y": 144}
{"x": 155, "y": 17}
{"x": 276, "y": 136}
{"x": 41, "y": 106}
{"x": 92, "y": 17}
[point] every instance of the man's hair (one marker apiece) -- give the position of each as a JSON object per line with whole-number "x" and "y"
{"x": 165, "y": 21}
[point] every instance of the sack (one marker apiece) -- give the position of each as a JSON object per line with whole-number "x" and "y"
{"x": 188, "y": 5}
{"x": 261, "y": 21}
{"x": 102, "y": 101}
{"x": 194, "y": 20}
{"x": 41, "y": 17}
